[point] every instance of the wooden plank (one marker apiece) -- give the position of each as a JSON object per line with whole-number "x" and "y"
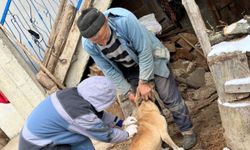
{"x": 238, "y": 86}
{"x": 225, "y": 67}
{"x": 65, "y": 29}
{"x": 74, "y": 36}
{"x": 192, "y": 45}
{"x": 240, "y": 27}
{"x": 184, "y": 44}
{"x": 190, "y": 37}
{"x": 77, "y": 67}
{"x": 102, "y": 5}
{"x": 198, "y": 24}
{"x": 62, "y": 67}
{"x": 45, "y": 81}
{"x": 54, "y": 31}
{"x": 170, "y": 46}
{"x": 235, "y": 120}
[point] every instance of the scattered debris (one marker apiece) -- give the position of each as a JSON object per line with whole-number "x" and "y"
{"x": 204, "y": 92}
{"x": 196, "y": 79}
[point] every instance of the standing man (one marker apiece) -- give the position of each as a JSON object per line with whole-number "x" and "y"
{"x": 131, "y": 57}
{"x": 67, "y": 119}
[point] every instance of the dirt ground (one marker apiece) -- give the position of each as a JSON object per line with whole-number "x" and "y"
{"x": 208, "y": 127}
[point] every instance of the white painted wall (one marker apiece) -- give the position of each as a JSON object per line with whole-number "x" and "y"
{"x": 18, "y": 84}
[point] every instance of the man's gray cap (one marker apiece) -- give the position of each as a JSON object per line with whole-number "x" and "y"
{"x": 90, "y": 22}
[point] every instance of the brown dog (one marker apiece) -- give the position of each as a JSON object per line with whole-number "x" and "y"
{"x": 152, "y": 129}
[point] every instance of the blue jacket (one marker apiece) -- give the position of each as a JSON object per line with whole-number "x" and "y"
{"x": 66, "y": 117}
{"x": 142, "y": 46}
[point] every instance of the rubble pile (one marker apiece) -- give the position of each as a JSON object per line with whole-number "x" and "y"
{"x": 191, "y": 71}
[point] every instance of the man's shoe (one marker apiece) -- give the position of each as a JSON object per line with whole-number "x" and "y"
{"x": 189, "y": 140}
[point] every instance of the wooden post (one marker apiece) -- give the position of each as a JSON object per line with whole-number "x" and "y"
{"x": 57, "y": 41}
{"x": 54, "y": 31}
{"x": 62, "y": 67}
{"x": 226, "y": 66}
{"x": 62, "y": 36}
{"x": 236, "y": 122}
{"x": 198, "y": 24}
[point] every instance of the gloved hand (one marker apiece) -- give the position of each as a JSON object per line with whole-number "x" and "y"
{"x": 129, "y": 120}
{"x": 132, "y": 130}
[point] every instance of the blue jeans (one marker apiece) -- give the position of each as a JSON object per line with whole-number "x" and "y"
{"x": 168, "y": 92}
{"x": 85, "y": 145}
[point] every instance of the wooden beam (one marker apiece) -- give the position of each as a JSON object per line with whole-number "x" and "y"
{"x": 62, "y": 67}
{"x": 238, "y": 86}
{"x": 77, "y": 67}
{"x": 196, "y": 49}
{"x": 235, "y": 121}
{"x": 240, "y": 27}
{"x": 61, "y": 39}
{"x": 225, "y": 67}
{"x": 198, "y": 24}
{"x": 54, "y": 31}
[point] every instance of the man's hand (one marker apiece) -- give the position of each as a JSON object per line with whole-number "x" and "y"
{"x": 129, "y": 120}
{"x": 144, "y": 90}
{"x": 132, "y": 130}
{"x": 131, "y": 96}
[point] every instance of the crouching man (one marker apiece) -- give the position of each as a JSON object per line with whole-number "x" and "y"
{"x": 67, "y": 119}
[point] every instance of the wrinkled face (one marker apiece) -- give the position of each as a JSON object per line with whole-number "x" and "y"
{"x": 102, "y": 35}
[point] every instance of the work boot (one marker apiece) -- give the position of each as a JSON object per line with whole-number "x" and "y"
{"x": 189, "y": 139}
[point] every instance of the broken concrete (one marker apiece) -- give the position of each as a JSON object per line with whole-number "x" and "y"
{"x": 204, "y": 92}
{"x": 196, "y": 78}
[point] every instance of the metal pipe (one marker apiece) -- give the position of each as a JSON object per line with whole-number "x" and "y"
{"x": 5, "y": 12}
{"x": 78, "y": 4}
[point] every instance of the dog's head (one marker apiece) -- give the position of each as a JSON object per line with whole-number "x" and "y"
{"x": 146, "y": 107}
